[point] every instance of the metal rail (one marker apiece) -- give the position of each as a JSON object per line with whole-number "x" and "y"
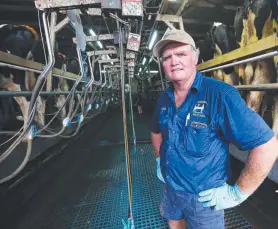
{"x": 265, "y": 44}
{"x": 251, "y": 59}
{"x": 44, "y": 93}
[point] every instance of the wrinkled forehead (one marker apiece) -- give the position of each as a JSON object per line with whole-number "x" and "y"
{"x": 175, "y": 47}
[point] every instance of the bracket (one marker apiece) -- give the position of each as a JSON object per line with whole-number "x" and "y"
{"x": 170, "y": 19}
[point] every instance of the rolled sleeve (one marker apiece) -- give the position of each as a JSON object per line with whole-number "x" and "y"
{"x": 240, "y": 125}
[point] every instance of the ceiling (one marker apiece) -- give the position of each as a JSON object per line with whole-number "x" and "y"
{"x": 198, "y": 16}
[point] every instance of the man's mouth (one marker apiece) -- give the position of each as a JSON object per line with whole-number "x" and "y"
{"x": 177, "y": 70}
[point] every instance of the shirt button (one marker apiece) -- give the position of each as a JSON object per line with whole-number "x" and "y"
{"x": 170, "y": 147}
{"x": 176, "y": 116}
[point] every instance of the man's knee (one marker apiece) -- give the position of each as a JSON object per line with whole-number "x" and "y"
{"x": 177, "y": 224}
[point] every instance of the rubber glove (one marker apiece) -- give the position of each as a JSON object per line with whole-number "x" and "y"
{"x": 158, "y": 170}
{"x": 223, "y": 197}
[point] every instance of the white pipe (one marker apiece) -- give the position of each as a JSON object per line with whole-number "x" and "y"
{"x": 251, "y": 59}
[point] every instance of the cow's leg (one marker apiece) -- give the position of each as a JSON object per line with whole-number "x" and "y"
{"x": 231, "y": 79}
{"x": 275, "y": 115}
{"x": 40, "y": 114}
{"x": 22, "y": 102}
{"x": 263, "y": 74}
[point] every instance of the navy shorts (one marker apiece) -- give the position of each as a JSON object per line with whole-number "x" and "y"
{"x": 181, "y": 205}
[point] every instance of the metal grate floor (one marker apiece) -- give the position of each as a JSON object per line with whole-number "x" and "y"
{"x": 103, "y": 202}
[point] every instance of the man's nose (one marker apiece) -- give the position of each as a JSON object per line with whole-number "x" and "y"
{"x": 174, "y": 60}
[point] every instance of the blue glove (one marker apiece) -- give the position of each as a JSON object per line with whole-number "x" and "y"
{"x": 158, "y": 170}
{"x": 223, "y": 197}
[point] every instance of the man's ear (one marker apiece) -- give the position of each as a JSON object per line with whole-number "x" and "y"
{"x": 196, "y": 58}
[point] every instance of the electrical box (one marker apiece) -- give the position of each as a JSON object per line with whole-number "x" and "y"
{"x": 133, "y": 42}
{"x": 116, "y": 37}
{"x": 131, "y": 63}
{"x": 132, "y": 8}
{"x": 111, "y": 4}
{"x": 130, "y": 55}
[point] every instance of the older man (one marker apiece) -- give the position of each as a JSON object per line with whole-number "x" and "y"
{"x": 193, "y": 123}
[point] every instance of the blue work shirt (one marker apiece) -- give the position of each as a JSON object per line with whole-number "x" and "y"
{"x": 194, "y": 150}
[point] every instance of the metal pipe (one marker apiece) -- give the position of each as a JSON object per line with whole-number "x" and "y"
{"x": 43, "y": 93}
{"x": 258, "y": 87}
{"x": 160, "y": 73}
{"x": 31, "y": 70}
{"x": 127, "y": 154}
{"x": 251, "y": 59}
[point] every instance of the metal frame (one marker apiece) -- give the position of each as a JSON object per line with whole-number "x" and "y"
{"x": 169, "y": 19}
{"x": 101, "y": 37}
{"x": 49, "y": 4}
{"x": 264, "y": 44}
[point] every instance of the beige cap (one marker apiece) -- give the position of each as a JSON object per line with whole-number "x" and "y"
{"x": 172, "y": 36}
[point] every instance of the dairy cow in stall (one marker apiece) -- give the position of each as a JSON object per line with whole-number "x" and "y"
{"x": 223, "y": 41}
{"x": 256, "y": 20}
{"x": 23, "y": 41}
{"x": 19, "y": 40}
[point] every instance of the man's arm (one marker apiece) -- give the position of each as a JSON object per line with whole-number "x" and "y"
{"x": 156, "y": 140}
{"x": 260, "y": 161}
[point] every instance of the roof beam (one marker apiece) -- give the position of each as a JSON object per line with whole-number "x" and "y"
{"x": 22, "y": 8}
{"x": 183, "y": 4}
{"x": 206, "y": 4}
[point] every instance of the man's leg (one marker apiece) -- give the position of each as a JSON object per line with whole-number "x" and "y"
{"x": 177, "y": 224}
{"x": 171, "y": 209}
{"x": 203, "y": 217}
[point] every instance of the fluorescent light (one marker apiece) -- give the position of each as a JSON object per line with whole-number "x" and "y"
{"x": 94, "y": 34}
{"x": 144, "y": 60}
{"x": 103, "y": 71}
{"x": 154, "y": 71}
{"x": 99, "y": 44}
{"x": 140, "y": 69}
{"x": 217, "y": 24}
{"x": 153, "y": 40}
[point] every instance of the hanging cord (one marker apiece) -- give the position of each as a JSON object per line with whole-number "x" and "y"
{"x": 132, "y": 118}
{"x": 127, "y": 153}
{"x": 67, "y": 120}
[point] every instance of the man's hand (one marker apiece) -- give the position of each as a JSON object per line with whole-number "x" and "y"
{"x": 223, "y": 197}
{"x": 158, "y": 170}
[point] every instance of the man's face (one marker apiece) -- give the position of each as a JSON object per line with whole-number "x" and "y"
{"x": 179, "y": 61}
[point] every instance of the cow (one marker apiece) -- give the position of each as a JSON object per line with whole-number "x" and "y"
{"x": 23, "y": 41}
{"x": 223, "y": 41}
{"x": 253, "y": 22}
{"x": 18, "y": 40}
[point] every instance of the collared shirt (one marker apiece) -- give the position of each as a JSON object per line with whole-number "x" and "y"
{"x": 194, "y": 150}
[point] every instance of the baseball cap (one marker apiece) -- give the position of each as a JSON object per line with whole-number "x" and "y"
{"x": 172, "y": 36}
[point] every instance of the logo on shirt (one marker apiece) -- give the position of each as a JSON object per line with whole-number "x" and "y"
{"x": 199, "y": 107}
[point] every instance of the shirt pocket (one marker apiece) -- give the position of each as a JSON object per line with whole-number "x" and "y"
{"x": 196, "y": 140}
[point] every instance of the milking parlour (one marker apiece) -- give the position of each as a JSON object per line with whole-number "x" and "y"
{"x": 128, "y": 114}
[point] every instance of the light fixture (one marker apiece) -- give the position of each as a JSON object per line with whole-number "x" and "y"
{"x": 152, "y": 40}
{"x": 217, "y": 24}
{"x": 140, "y": 69}
{"x": 94, "y": 34}
{"x": 144, "y": 60}
{"x": 154, "y": 71}
{"x": 103, "y": 71}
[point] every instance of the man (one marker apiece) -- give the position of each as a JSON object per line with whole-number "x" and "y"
{"x": 193, "y": 123}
